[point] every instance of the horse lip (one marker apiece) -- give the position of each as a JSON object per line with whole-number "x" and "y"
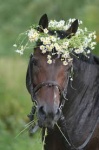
{"x": 49, "y": 122}
{"x": 46, "y": 124}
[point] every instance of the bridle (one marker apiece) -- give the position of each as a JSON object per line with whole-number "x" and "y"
{"x": 34, "y": 90}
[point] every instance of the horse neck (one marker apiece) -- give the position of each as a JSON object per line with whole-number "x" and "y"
{"x": 85, "y": 79}
{"x": 81, "y": 111}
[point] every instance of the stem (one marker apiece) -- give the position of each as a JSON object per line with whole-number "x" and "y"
{"x": 45, "y": 134}
{"x": 63, "y": 134}
{"x": 24, "y": 129}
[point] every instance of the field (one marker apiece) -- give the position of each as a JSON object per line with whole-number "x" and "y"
{"x": 15, "y": 102}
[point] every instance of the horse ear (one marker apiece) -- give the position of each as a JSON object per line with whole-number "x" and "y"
{"x": 43, "y": 22}
{"x": 73, "y": 28}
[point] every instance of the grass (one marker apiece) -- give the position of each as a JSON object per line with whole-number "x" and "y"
{"x": 15, "y": 105}
{"x": 12, "y": 81}
{"x": 22, "y": 142}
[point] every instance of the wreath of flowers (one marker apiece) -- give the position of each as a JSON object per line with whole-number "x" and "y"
{"x": 78, "y": 43}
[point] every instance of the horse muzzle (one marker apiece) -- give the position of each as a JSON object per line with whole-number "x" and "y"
{"x": 48, "y": 118}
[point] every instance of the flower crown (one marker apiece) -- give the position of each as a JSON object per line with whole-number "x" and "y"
{"x": 61, "y": 38}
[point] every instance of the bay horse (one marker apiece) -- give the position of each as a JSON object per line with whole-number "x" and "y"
{"x": 73, "y": 105}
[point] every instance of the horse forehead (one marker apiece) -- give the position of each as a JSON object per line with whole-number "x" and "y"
{"x": 54, "y": 69}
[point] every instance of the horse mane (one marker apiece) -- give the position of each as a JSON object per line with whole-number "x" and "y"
{"x": 81, "y": 111}
{"x": 91, "y": 59}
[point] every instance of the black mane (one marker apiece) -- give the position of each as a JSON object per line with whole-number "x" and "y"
{"x": 82, "y": 108}
{"x": 91, "y": 59}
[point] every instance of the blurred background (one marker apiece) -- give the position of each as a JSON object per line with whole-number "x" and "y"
{"x": 15, "y": 102}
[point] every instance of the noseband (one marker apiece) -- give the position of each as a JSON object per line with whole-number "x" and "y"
{"x": 49, "y": 84}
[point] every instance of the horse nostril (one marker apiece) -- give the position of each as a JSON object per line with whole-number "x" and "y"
{"x": 42, "y": 112}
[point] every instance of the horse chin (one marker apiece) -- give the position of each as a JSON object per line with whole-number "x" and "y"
{"x": 46, "y": 124}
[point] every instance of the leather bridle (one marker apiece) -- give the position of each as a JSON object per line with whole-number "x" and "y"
{"x": 34, "y": 90}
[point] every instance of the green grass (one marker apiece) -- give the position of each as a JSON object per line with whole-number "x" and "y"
{"x": 15, "y": 105}
{"x": 22, "y": 142}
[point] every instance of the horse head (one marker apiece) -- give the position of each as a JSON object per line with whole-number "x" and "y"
{"x": 47, "y": 83}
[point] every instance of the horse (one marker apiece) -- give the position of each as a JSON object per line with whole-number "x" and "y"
{"x": 72, "y": 105}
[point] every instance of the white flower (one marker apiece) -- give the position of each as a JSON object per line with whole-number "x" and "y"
{"x": 49, "y": 61}
{"x": 79, "y": 50}
{"x": 94, "y": 37}
{"x": 49, "y": 56}
{"x": 93, "y": 48}
{"x": 92, "y": 45}
{"x": 51, "y": 46}
{"x": 56, "y": 24}
{"x": 33, "y": 35}
{"x": 88, "y": 52}
{"x": 46, "y": 41}
{"x": 63, "y": 47}
{"x": 60, "y": 24}
{"x": 58, "y": 38}
{"x": 71, "y": 20}
{"x": 66, "y": 27}
{"x": 19, "y": 51}
{"x": 65, "y": 54}
{"x": 86, "y": 29}
{"x": 42, "y": 47}
{"x": 42, "y": 39}
{"x": 79, "y": 31}
{"x": 48, "y": 47}
{"x": 70, "y": 59}
{"x": 57, "y": 47}
{"x": 80, "y": 22}
{"x": 44, "y": 51}
{"x": 14, "y": 45}
{"x": 52, "y": 23}
{"x": 71, "y": 79}
{"x": 45, "y": 30}
{"x": 65, "y": 63}
{"x": 87, "y": 41}
{"x": 65, "y": 44}
{"x": 53, "y": 38}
